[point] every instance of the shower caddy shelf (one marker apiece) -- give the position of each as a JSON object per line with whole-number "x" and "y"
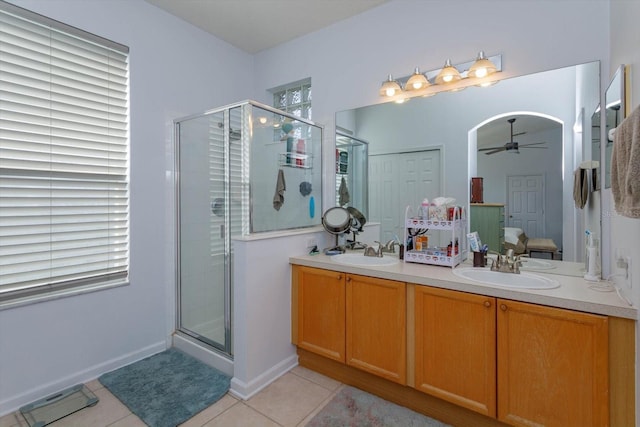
{"x": 438, "y": 256}
{"x": 295, "y": 160}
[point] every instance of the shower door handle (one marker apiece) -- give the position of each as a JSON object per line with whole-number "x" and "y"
{"x": 222, "y": 231}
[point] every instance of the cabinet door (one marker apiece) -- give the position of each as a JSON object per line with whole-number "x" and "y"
{"x": 488, "y": 221}
{"x": 455, "y": 347}
{"x": 320, "y": 314}
{"x": 552, "y": 366}
{"x": 376, "y": 327}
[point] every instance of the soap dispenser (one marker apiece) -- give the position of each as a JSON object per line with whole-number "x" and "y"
{"x": 592, "y": 260}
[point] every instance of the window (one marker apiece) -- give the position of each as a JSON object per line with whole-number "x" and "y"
{"x": 64, "y": 159}
{"x": 294, "y": 98}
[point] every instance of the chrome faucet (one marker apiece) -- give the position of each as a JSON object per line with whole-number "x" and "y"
{"x": 507, "y": 263}
{"x": 390, "y": 246}
{"x": 371, "y": 251}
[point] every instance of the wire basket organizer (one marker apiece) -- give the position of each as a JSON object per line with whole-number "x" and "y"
{"x": 437, "y": 255}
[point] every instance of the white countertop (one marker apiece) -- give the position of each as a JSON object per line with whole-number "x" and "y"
{"x": 574, "y": 292}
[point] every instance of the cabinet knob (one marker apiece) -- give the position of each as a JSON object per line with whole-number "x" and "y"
{"x": 503, "y": 307}
{"x": 348, "y": 279}
{"x": 487, "y": 303}
{"x": 339, "y": 276}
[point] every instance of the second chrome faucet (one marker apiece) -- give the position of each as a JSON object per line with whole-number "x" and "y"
{"x": 389, "y": 247}
{"x": 507, "y": 263}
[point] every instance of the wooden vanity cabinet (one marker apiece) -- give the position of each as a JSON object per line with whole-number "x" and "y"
{"x": 318, "y": 316}
{"x": 467, "y": 359}
{"x": 376, "y": 326}
{"x": 552, "y": 366}
{"x": 455, "y": 347}
{"x": 357, "y": 320}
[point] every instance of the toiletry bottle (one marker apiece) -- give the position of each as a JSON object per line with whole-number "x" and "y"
{"x": 300, "y": 150}
{"x": 449, "y": 248}
{"x": 424, "y": 209}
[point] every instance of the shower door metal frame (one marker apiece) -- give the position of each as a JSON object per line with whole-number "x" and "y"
{"x": 225, "y": 347}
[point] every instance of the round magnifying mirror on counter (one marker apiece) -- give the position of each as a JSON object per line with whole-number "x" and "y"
{"x": 336, "y": 221}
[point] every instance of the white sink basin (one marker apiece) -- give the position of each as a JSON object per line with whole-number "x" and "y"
{"x": 508, "y": 280}
{"x": 535, "y": 264}
{"x": 364, "y": 261}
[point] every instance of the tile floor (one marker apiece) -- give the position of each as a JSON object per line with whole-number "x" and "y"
{"x": 290, "y": 401}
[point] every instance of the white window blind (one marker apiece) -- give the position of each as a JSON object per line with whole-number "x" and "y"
{"x": 64, "y": 157}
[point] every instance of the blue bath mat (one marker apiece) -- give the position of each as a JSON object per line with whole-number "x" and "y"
{"x": 167, "y": 388}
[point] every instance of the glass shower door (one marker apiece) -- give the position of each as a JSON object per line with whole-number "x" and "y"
{"x": 203, "y": 215}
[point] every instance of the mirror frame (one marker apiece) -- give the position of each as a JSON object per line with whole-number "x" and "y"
{"x": 614, "y": 95}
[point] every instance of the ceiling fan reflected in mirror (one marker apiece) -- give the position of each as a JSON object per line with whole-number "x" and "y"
{"x": 512, "y": 146}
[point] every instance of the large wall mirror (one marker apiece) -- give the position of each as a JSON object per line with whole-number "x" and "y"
{"x": 429, "y": 147}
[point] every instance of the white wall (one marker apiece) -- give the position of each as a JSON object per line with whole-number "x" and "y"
{"x": 625, "y": 232}
{"x": 348, "y": 61}
{"x": 175, "y": 69}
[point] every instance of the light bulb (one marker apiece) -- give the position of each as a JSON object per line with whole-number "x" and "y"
{"x": 481, "y": 72}
{"x": 263, "y": 120}
{"x": 390, "y": 91}
{"x": 417, "y": 81}
{"x": 447, "y": 78}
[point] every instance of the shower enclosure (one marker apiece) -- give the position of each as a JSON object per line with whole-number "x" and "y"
{"x": 352, "y": 166}
{"x": 232, "y": 165}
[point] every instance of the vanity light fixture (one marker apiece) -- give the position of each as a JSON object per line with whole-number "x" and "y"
{"x": 417, "y": 81}
{"x": 448, "y": 74}
{"x": 482, "y": 67}
{"x": 390, "y": 87}
{"x": 451, "y": 77}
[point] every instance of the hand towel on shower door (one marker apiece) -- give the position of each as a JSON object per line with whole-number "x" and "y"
{"x": 281, "y": 186}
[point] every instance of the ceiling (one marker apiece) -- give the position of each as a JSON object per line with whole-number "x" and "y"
{"x": 256, "y": 25}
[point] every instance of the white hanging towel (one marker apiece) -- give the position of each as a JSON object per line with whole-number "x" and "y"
{"x": 625, "y": 166}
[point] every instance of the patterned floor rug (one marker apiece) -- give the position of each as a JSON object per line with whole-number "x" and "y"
{"x": 356, "y": 408}
{"x": 167, "y": 388}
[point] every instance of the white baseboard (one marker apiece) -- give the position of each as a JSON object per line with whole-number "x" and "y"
{"x": 245, "y": 390}
{"x": 193, "y": 348}
{"x": 15, "y": 402}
